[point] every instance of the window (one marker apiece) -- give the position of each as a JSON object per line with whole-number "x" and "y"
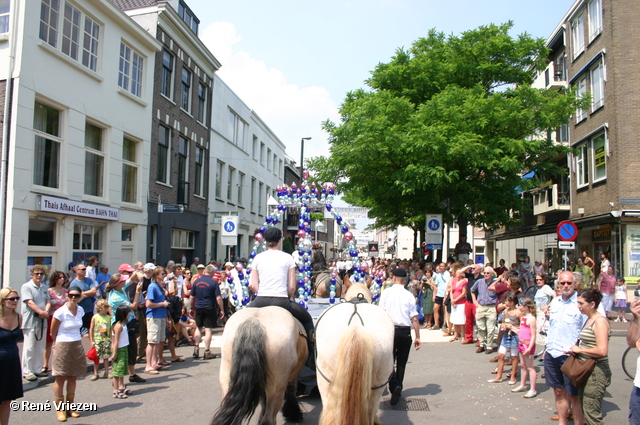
{"x": 261, "y": 153}
{"x": 275, "y": 164}
{"x": 183, "y": 170}
{"x": 219, "y": 167}
{"x": 599, "y": 157}
{"x": 280, "y": 169}
{"x": 182, "y": 239}
{"x": 202, "y": 103}
{"x": 254, "y": 147}
{"x": 268, "y": 159}
{"x": 46, "y": 163}
{"x": 199, "y": 172}
{"x": 185, "y": 92}
{"x": 253, "y": 195}
{"x": 127, "y": 234}
{"x": 80, "y": 34}
{"x": 188, "y": 17}
{"x": 4, "y": 16}
{"x": 129, "y": 171}
{"x": 42, "y": 231}
{"x": 230, "y": 177}
{"x": 582, "y": 165}
{"x": 240, "y": 184}
{"x": 130, "y": 75}
{"x": 236, "y": 129}
{"x": 87, "y": 236}
{"x": 164, "y": 142}
{"x": 166, "y": 81}
{"x": 595, "y": 19}
{"x": 581, "y": 89}
{"x": 577, "y": 34}
{"x": 260, "y": 192}
{"x": 597, "y": 86}
{"x": 94, "y": 160}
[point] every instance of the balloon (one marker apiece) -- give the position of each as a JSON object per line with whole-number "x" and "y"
{"x": 258, "y": 237}
{"x": 348, "y": 236}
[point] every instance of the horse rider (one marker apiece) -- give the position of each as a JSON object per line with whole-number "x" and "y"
{"x": 273, "y": 279}
{"x": 400, "y": 304}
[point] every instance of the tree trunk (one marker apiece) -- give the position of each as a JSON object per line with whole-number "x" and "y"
{"x": 462, "y": 227}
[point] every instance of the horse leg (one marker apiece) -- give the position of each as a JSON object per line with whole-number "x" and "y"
{"x": 291, "y": 408}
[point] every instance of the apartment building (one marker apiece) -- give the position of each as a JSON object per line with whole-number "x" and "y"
{"x": 77, "y": 84}
{"x": 178, "y": 200}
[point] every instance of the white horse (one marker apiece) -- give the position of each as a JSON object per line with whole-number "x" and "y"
{"x": 263, "y": 350}
{"x": 354, "y": 359}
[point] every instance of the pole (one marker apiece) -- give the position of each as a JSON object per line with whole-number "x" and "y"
{"x": 302, "y": 157}
{"x": 565, "y": 259}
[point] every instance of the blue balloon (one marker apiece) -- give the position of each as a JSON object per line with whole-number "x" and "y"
{"x": 252, "y": 255}
{"x": 328, "y": 206}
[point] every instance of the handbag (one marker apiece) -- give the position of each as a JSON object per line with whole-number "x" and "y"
{"x": 578, "y": 371}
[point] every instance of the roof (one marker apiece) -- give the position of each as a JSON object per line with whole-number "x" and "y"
{"x": 133, "y": 4}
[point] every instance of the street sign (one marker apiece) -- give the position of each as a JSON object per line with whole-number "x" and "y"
{"x": 170, "y": 208}
{"x": 567, "y": 231}
{"x": 433, "y": 239}
{"x": 373, "y": 249}
{"x": 229, "y": 235}
{"x": 566, "y": 245}
{"x": 434, "y": 246}
{"x": 434, "y": 224}
{"x": 217, "y": 216}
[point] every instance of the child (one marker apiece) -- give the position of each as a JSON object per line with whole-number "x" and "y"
{"x": 527, "y": 346}
{"x": 621, "y": 299}
{"x": 187, "y": 326}
{"x": 509, "y": 341}
{"x": 120, "y": 352}
{"x": 100, "y": 337}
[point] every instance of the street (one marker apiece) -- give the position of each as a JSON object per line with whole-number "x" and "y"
{"x": 445, "y": 383}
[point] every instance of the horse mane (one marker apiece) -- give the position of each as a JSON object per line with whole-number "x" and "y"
{"x": 319, "y": 260}
{"x": 349, "y": 399}
{"x": 358, "y": 288}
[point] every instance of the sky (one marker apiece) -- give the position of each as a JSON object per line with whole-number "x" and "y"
{"x": 294, "y": 61}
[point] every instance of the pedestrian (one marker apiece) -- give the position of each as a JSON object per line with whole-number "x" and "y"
{"x": 401, "y": 307}
{"x": 92, "y": 268}
{"x": 100, "y": 337}
{"x": 156, "y": 317}
{"x": 486, "y": 317}
{"x": 527, "y": 346}
{"x": 58, "y": 293}
{"x": 194, "y": 266}
{"x": 543, "y": 297}
{"x": 10, "y": 335}
{"x": 120, "y": 351}
{"x": 606, "y": 283}
{"x": 458, "y": 294}
{"x": 621, "y": 299}
{"x": 565, "y": 323}
{"x": 71, "y": 273}
{"x": 441, "y": 280}
{"x": 472, "y": 273}
{"x": 89, "y": 290}
{"x": 37, "y": 304}
{"x": 509, "y": 341}
{"x": 69, "y": 360}
{"x": 633, "y": 341}
{"x": 102, "y": 279}
{"x": 206, "y": 292}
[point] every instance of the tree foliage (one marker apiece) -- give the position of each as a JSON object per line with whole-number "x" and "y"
{"x": 454, "y": 120}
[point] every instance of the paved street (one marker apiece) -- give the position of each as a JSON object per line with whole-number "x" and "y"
{"x": 450, "y": 377}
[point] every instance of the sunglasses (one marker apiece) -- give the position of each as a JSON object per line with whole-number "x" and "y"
{"x": 565, "y": 283}
{"x": 38, "y": 274}
{"x": 163, "y": 274}
{"x": 74, "y": 295}
{"x": 81, "y": 269}
{"x": 13, "y": 299}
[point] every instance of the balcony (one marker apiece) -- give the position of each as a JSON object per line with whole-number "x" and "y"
{"x": 550, "y": 199}
{"x": 555, "y": 76}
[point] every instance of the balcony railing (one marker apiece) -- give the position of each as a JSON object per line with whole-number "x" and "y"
{"x": 556, "y": 74}
{"x": 550, "y": 199}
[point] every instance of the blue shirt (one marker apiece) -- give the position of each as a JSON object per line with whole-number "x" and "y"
{"x": 565, "y": 324}
{"x": 483, "y": 294}
{"x": 85, "y": 285}
{"x": 441, "y": 282}
{"x": 155, "y": 294}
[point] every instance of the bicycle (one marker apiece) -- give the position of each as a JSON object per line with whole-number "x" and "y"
{"x": 629, "y": 362}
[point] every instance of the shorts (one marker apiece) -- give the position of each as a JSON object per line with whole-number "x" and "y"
{"x": 509, "y": 341}
{"x": 206, "y": 317}
{"x": 504, "y": 350}
{"x": 120, "y": 365}
{"x": 553, "y": 375}
{"x": 523, "y": 345}
{"x": 156, "y": 330}
{"x": 607, "y": 301}
{"x": 103, "y": 348}
{"x": 439, "y": 300}
{"x": 621, "y": 303}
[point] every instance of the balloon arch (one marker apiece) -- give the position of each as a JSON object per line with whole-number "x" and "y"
{"x": 302, "y": 197}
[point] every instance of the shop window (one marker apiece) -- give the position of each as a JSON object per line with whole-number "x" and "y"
{"x": 88, "y": 236}
{"x": 42, "y": 231}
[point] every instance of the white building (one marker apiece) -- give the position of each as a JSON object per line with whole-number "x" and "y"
{"x": 247, "y": 161}
{"x": 78, "y": 82}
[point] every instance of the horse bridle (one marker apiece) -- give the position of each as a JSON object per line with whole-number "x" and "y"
{"x": 358, "y": 299}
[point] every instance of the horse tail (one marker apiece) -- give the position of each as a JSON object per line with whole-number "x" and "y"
{"x": 349, "y": 400}
{"x": 248, "y": 376}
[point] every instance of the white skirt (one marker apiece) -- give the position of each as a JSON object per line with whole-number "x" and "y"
{"x": 457, "y": 314}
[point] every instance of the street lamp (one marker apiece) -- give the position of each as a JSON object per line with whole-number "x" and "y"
{"x": 302, "y": 156}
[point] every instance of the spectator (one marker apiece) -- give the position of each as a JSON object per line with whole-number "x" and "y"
{"x": 58, "y": 294}
{"x": 462, "y": 250}
{"x": 100, "y": 337}
{"x": 69, "y": 361}
{"x": 527, "y": 346}
{"x": 89, "y": 290}
{"x": 71, "y": 272}
{"x": 194, "y": 266}
{"x": 543, "y": 297}
{"x": 147, "y": 269}
{"x": 92, "y": 267}
{"x": 120, "y": 351}
{"x": 621, "y": 299}
{"x": 102, "y": 279}
{"x": 606, "y": 283}
{"x": 207, "y": 294}
{"x": 10, "y": 335}
{"x": 633, "y": 341}
{"x": 473, "y": 273}
{"x": 156, "y": 317}
{"x": 485, "y": 301}
{"x": 458, "y": 294}
{"x": 501, "y": 269}
{"x": 441, "y": 279}
{"x": 37, "y": 303}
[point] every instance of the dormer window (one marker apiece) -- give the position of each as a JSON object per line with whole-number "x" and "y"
{"x": 188, "y": 17}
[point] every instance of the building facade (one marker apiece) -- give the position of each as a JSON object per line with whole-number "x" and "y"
{"x": 76, "y": 95}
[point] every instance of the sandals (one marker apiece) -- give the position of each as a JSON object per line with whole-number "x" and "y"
{"x": 179, "y": 359}
{"x": 164, "y": 363}
{"x": 454, "y": 339}
{"x": 119, "y": 394}
{"x": 495, "y": 371}
{"x": 44, "y": 370}
{"x": 494, "y": 381}
{"x": 152, "y": 371}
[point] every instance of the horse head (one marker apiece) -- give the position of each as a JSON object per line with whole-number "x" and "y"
{"x": 356, "y": 289}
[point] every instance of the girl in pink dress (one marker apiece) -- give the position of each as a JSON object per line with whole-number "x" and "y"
{"x": 58, "y": 292}
{"x": 527, "y": 346}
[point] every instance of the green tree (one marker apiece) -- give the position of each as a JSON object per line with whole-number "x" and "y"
{"x": 449, "y": 126}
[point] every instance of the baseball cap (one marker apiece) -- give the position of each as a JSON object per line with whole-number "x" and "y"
{"x": 125, "y": 267}
{"x": 149, "y": 266}
{"x": 72, "y": 264}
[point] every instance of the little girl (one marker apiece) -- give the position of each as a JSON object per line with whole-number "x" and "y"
{"x": 120, "y": 352}
{"x": 100, "y": 337}
{"x": 527, "y": 346}
{"x": 509, "y": 341}
{"x": 621, "y": 299}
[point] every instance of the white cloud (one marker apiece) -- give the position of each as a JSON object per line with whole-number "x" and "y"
{"x": 292, "y": 112}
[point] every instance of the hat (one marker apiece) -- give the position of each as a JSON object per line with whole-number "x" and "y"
{"x": 149, "y": 266}
{"x": 537, "y": 261}
{"x": 103, "y": 267}
{"x": 200, "y": 266}
{"x": 111, "y": 284}
{"x": 228, "y": 263}
{"x": 399, "y": 272}
{"x": 125, "y": 267}
{"x": 72, "y": 264}
{"x": 272, "y": 234}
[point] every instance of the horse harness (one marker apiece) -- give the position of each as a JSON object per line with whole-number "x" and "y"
{"x": 358, "y": 299}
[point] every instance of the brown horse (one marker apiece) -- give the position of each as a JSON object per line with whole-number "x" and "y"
{"x": 322, "y": 285}
{"x": 263, "y": 350}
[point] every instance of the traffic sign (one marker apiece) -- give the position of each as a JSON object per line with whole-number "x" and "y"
{"x": 373, "y": 249}
{"x": 229, "y": 235}
{"x": 434, "y": 246}
{"x": 434, "y": 224}
{"x": 170, "y": 208}
{"x": 567, "y": 231}
{"x": 566, "y": 245}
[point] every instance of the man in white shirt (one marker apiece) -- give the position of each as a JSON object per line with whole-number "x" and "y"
{"x": 400, "y": 304}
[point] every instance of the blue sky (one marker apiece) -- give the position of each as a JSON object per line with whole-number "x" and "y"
{"x": 294, "y": 61}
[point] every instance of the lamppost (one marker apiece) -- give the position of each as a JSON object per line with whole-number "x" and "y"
{"x": 302, "y": 156}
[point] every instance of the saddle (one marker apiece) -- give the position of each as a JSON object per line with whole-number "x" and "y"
{"x": 358, "y": 299}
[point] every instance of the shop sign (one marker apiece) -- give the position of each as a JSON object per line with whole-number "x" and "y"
{"x": 600, "y": 234}
{"x": 82, "y": 209}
